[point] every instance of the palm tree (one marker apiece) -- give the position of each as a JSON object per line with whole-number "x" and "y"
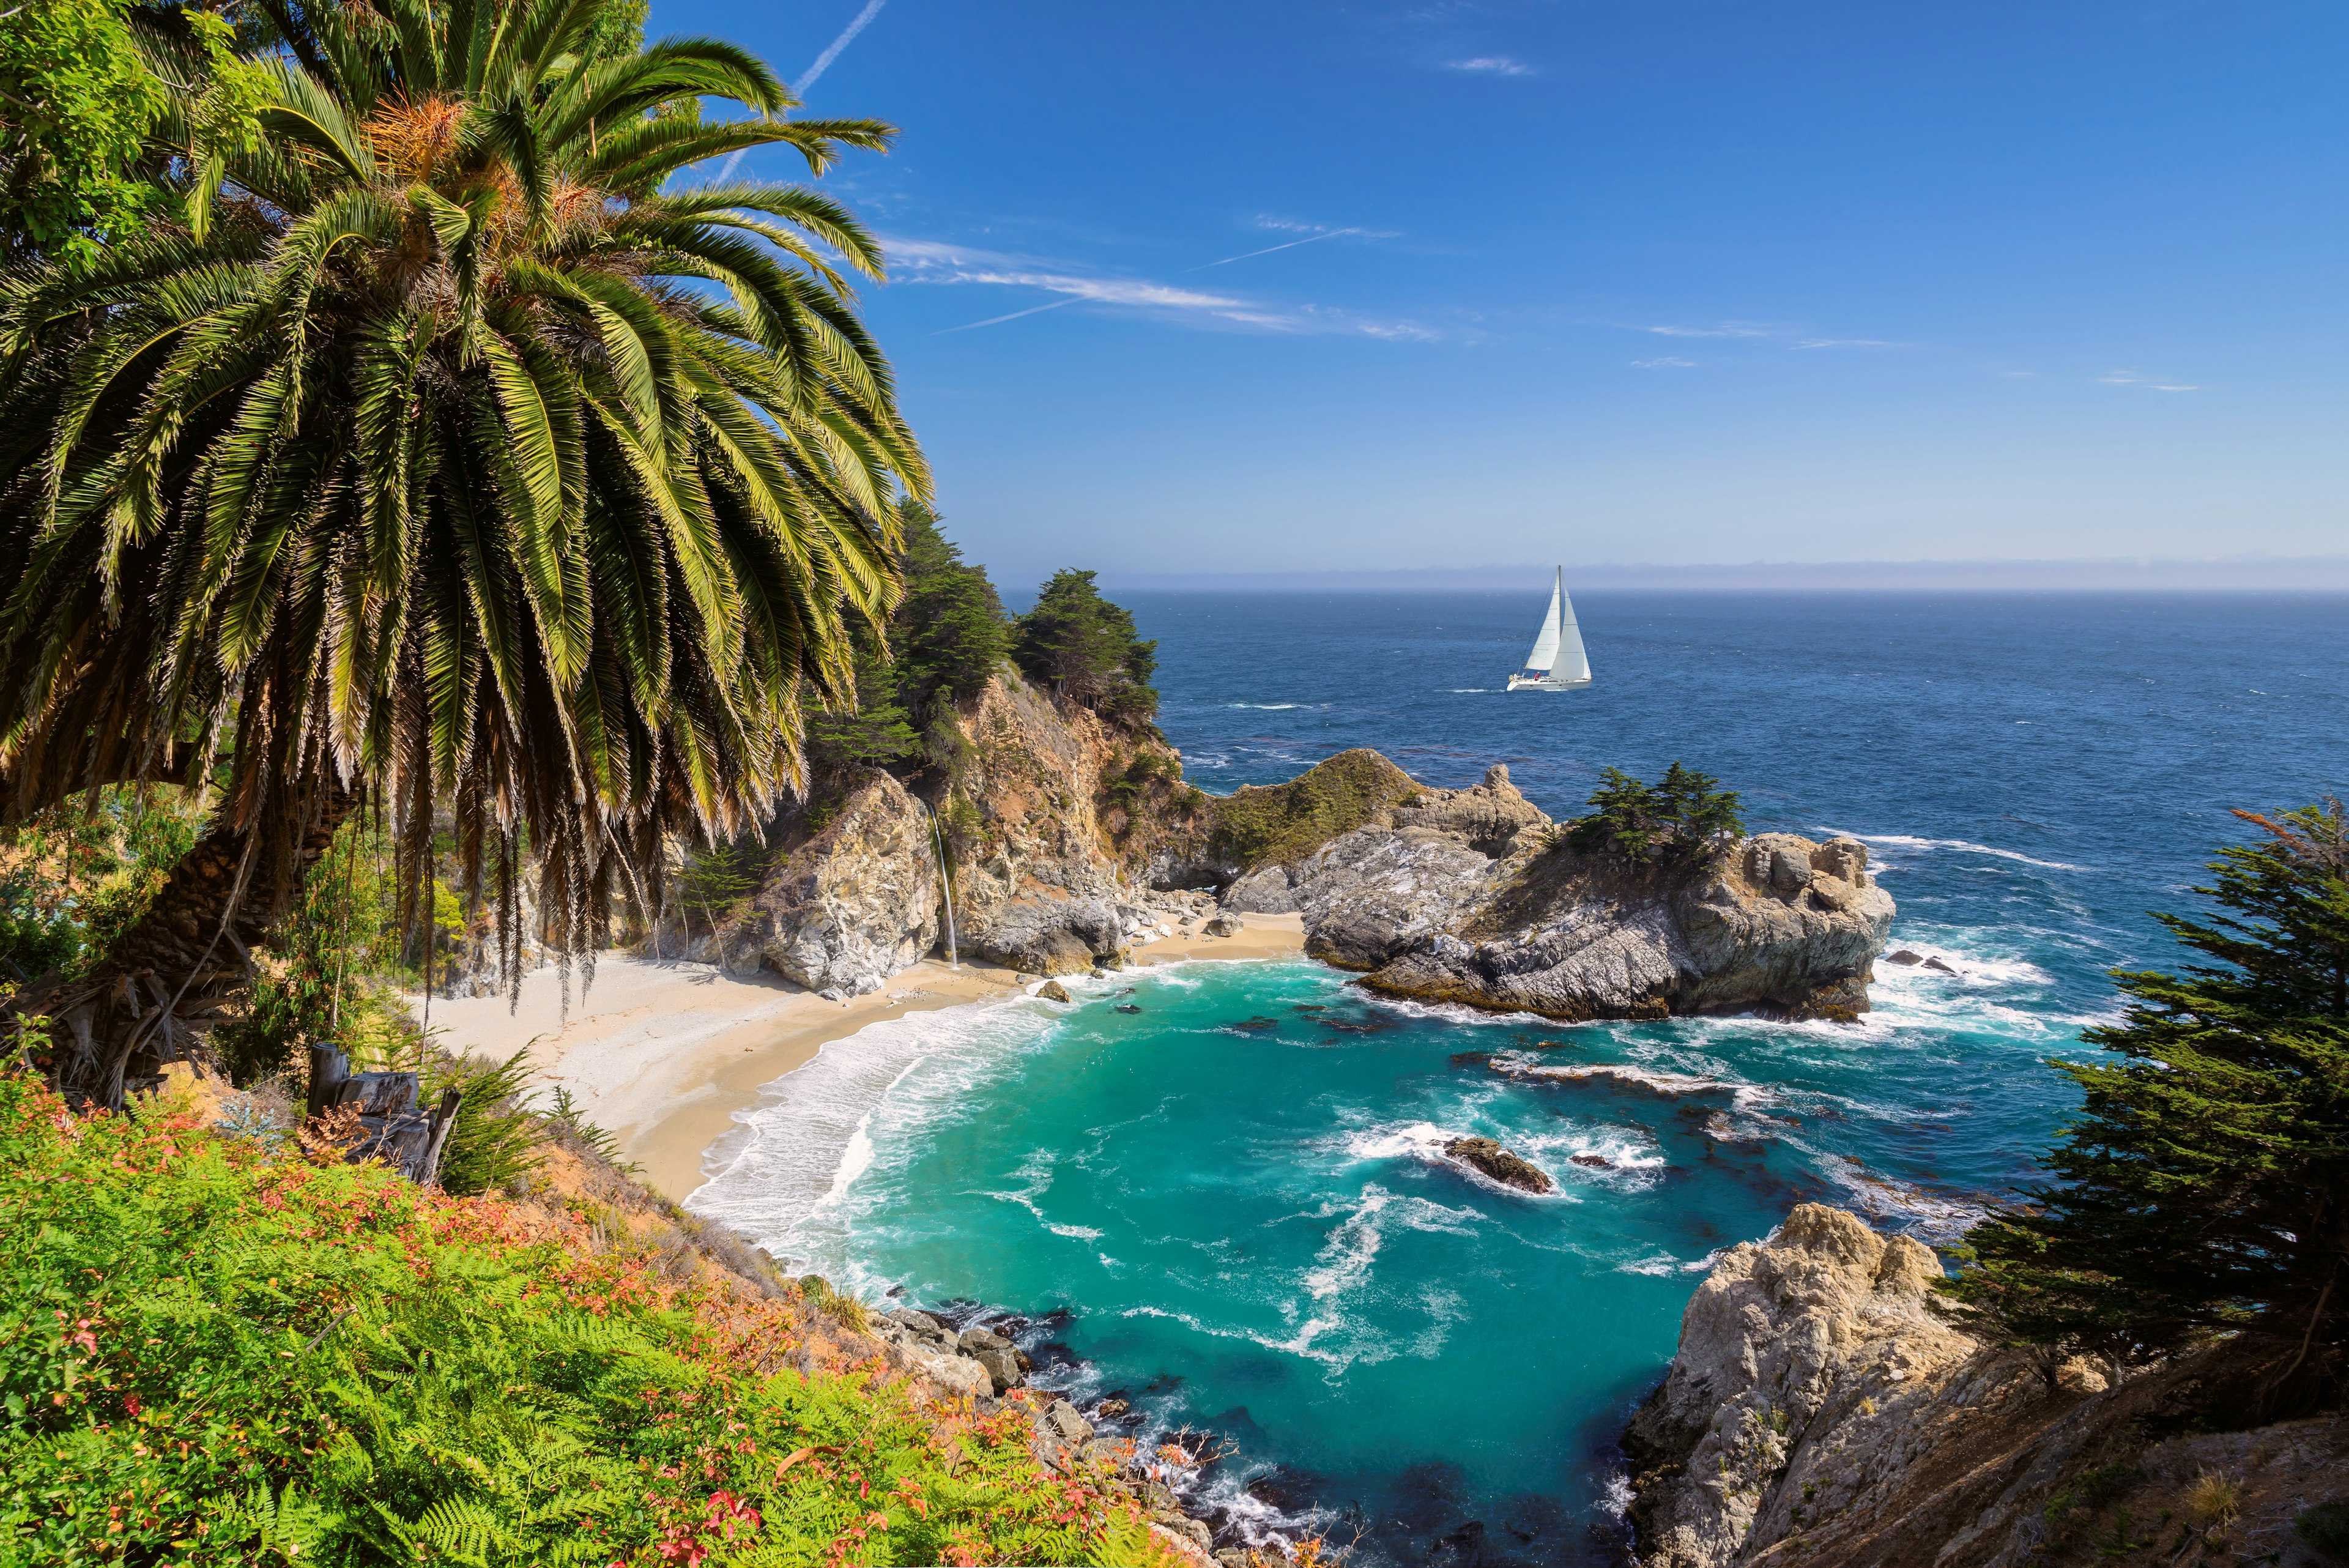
{"x": 444, "y": 458}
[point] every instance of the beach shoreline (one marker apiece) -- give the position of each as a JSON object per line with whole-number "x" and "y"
{"x": 663, "y": 1053}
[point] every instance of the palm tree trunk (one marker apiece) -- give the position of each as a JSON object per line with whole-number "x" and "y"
{"x": 159, "y": 990}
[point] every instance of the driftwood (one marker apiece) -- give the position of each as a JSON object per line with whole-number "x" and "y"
{"x": 391, "y": 1126}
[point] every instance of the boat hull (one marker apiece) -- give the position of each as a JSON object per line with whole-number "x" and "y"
{"x": 1543, "y": 683}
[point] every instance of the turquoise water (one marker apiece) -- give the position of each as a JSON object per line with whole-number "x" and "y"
{"x": 1227, "y": 1207}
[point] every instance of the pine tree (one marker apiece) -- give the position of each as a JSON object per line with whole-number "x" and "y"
{"x": 2204, "y": 1187}
{"x": 1085, "y": 647}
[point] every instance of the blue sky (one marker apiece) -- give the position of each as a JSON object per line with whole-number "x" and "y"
{"x": 1668, "y": 281}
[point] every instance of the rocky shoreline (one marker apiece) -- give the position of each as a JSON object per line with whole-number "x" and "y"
{"x": 990, "y": 1357}
{"x": 1067, "y": 843}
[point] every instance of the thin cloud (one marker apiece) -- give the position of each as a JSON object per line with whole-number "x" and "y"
{"x": 1850, "y": 343}
{"x": 2131, "y": 378}
{"x": 1284, "y": 245}
{"x": 1726, "y": 329}
{"x": 929, "y": 262}
{"x": 1493, "y": 65}
{"x": 1666, "y": 363}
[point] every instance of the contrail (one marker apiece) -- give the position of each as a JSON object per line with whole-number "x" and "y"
{"x": 1015, "y": 316}
{"x": 847, "y": 36}
{"x": 822, "y": 64}
{"x": 1286, "y": 244}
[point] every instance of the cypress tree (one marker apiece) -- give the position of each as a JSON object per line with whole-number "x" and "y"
{"x": 2203, "y": 1188}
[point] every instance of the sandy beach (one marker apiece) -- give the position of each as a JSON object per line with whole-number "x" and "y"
{"x": 662, "y": 1054}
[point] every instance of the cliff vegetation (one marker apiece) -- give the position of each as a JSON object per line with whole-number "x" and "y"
{"x": 222, "y": 1343}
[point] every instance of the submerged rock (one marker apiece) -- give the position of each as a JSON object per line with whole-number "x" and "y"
{"x": 1508, "y": 1168}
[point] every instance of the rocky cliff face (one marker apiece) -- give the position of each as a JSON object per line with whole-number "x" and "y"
{"x": 1820, "y": 1412}
{"x": 1050, "y": 822}
{"x": 843, "y": 907}
{"x": 1459, "y": 896}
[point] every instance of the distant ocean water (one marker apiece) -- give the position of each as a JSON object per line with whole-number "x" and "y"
{"x": 1232, "y": 1198}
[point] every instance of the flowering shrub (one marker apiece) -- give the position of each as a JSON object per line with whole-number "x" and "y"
{"x": 212, "y": 1351}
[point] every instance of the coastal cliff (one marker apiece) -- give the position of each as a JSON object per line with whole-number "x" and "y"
{"x": 1820, "y": 1411}
{"x": 1068, "y": 839}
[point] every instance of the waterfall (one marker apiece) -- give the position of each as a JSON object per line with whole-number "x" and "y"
{"x": 946, "y": 880}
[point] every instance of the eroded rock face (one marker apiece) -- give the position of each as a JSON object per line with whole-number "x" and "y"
{"x": 1799, "y": 1359}
{"x": 857, "y": 902}
{"x": 1035, "y": 889}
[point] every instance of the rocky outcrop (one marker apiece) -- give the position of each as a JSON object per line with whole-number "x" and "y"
{"x": 860, "y": 900}
{"x": 1040, "y": 884}
{"x": 1820, "y": 1411}
{"x": 1784, "y": 1339}
{"x": 1465, "y": 896}
{"x": 1506, "y": 1166}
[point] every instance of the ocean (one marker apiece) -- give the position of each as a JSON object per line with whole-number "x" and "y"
{"x": 1227, "y": 1208}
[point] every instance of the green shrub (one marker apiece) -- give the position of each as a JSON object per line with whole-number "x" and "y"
{"x": 211, "y": 1355}
{"x": 495, "y": 1140}
{"x": 1284, "y": 823}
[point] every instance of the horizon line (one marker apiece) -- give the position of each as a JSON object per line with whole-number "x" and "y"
{"x": 2225, "y": 573}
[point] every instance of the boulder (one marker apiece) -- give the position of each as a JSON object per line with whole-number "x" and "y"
{"x": 1054, "y": 991}
{"x": 1508, "y": 1168}
{"x": 1062, "y": 1419}
{"x": 1037, "y": 884}
{"x": 1109, "y": 1453}
{"x": 1782, "y": 1340}
{"x": 1223, "y": 926}
{"x": 995, "y": 1353}
{"x": 957, "y": 1375}
{"x": 857, "y": 902}
{"x": 1548, "y": 931}
{"x": 920, "y": 1324}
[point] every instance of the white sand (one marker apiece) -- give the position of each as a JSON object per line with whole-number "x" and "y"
{"x": 662, "y": 1054}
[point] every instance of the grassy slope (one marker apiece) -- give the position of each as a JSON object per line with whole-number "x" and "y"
{"x": 212, "y": 1350}
{"x": 1283, "y": 823}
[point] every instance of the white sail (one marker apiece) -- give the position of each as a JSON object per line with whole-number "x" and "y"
{"x": 1573, "y": 663}
{"x": 1545, "y": 653}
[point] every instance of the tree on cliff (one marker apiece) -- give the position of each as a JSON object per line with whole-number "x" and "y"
{"x": 2204, "y": 1187}
{"x": 1686, "y": 820}
{"x": 439, "y": 454}
{"x": 1085, "y": 647}
{"x": 947, "y": 636}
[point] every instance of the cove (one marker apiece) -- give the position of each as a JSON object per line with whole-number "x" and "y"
{"x": 1237, "y": 1196}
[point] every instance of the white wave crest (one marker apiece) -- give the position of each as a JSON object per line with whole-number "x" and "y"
{"x": 1963, "y": 846}
{"x": 788, "y": 1177}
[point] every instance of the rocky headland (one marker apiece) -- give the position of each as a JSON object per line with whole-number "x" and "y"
{"x": 1067, "y": 841}
{"x": 1821, "y": 1410}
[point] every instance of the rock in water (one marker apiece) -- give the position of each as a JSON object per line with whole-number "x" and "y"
{"x": 1507, "y": 1168}
{"x": 1904, "y": 957}
{"x": 1934, "y": 963}
{"x": 1054, "y": 991}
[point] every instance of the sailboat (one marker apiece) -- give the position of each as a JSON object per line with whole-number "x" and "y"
{"x": 1557, "y": 662}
